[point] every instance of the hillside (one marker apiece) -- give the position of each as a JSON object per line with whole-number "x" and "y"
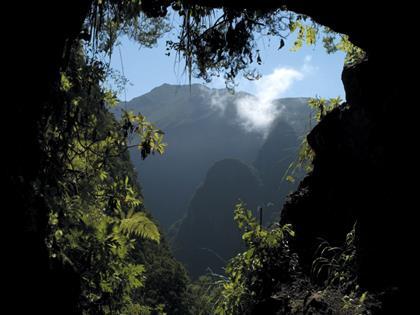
{"x": 212, "y": 161}
{"x": 208, "y": 235}
{"x": 198, "y": 133}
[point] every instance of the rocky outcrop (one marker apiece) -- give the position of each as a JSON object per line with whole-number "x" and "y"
{"x": 40, "y": 49}
{"x": 274, "y": 158}
{"x": 208, "y": 235}
{"x": 359, "y": 176}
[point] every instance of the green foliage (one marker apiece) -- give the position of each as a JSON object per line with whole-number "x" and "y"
{"x": 110, "y": 19}
{"x": 335, "y": 267}
{"x": 213, "y": 42}
{"x": 166, "y": 284}
{"x": 97, "y": 221}
{"x": 306, "y": 155}
{"x": 334, "y": 42}
{"x": 336, "y": 264}
{"x": 255, "y": 275}
{"x": 97, "y": 216}
{"x": 223, "y": 42}
{"x": 266, "y": 278}
{"x": 322, "y": 106}
{"x": 151, "y": 137}
{"x": 303, "y": 161}
{"x": 306, "y": 32}
{"x": 110, "y": 98}
{"x": 140, "y": 225}
{"x": 205, "y": 292}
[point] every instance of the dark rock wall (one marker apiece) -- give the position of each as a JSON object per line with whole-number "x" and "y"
{"x": 40, "y": 35}
{"x": 208, "y": 236}
{"x": 362, "y": 172}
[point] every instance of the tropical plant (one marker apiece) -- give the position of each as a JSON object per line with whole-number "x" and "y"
{"x": 257, "y": 274}
{"x": 97, "y": 214}
{"x": 303, "y": 162}
{"x": 335, "y": 268}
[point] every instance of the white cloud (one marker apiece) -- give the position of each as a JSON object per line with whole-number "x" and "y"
{"x": 256, "y": 113}
{"x": 219, "y": 100}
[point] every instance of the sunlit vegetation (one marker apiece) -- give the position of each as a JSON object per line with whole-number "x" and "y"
{"x": 267, "y": 279}
{"x": 96, "y": 213}
{"x": 304, "y": 159}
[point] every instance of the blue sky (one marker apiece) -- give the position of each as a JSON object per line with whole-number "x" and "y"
{"x": 315, "y": 72}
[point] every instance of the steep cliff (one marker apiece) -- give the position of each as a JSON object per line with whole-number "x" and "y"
{"x": 358, "y": 176}
{"x": 202, "y": 126}
{"x": 273, "y": 160}
{"x": 208, "y": 235}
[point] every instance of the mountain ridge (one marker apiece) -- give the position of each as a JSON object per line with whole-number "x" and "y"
{"x": 198, "y": 134}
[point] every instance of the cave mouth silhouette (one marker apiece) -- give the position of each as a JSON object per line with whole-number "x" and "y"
{"x": 370, "y": 141}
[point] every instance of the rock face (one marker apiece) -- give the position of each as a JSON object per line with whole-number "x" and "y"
{"x": 208, "y": 236}
{"x": 45, "y": 286}
{"x": 358, "y": 177}
{"x": 199, "y": 134}
{"x": 273, "y": 160}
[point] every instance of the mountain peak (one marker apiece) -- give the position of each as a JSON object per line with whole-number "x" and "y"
{"x": 183, "y": 87}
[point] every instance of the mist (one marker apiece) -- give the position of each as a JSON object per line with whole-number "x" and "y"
{"x": 257, "y": 111}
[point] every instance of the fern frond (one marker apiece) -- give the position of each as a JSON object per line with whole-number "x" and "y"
{"x": 140, "y": 225}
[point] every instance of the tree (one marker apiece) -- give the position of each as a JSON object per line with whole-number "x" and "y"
{"x": 95, "y": 209}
